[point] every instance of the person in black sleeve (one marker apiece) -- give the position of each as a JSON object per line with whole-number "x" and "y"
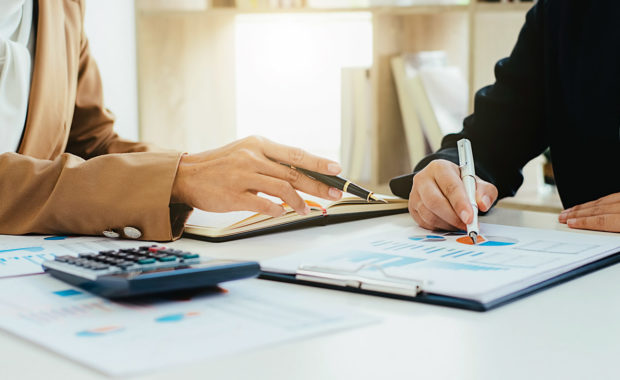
{"x": 560, "y": 88}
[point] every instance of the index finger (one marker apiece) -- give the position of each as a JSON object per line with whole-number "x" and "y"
{"x": 299, "y": 158}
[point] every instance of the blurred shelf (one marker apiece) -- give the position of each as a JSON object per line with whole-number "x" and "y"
{"x": 421, "y": 9}
{"x": 503, "y": 7}
{"x": 184, "y": 6}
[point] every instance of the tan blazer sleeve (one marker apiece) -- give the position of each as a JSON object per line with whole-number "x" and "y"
{"x": 72, "y": 196}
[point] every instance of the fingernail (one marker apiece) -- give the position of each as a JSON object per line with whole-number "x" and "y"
{"x": 334, "y": 193}
{"x": 571, "y": 222}
{"x": 334, "y": 168}
{"x": 486, "y": 201}
{"x": 464, "y": 216}
{"x": 306, "y": 210}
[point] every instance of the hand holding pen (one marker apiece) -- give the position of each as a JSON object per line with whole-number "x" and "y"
{"x": 439, "y": 201}
{"x": 229, "y": 178}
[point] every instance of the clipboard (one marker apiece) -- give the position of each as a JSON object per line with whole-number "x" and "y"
{"x": 413, "y": 290}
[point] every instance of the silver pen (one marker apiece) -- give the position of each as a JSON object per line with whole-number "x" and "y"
{"x": 468, "y": 173}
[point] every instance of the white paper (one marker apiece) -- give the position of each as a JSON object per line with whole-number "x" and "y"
{"x": 512, "y": 259}
{"x": 126, "y": 338}
{"x": 23, "y": 255}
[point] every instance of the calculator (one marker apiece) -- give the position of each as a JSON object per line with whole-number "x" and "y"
{"x": 146, "y": 270}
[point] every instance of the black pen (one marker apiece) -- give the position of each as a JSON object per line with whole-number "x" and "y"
{"x": 339, "y": 183}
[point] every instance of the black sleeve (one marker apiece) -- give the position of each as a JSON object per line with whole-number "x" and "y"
{"x": 506, "y": 129}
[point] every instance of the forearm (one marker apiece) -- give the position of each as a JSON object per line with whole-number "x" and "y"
{"x": 71, "y": 195}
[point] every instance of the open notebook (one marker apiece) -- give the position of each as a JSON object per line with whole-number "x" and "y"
{"x": 235, "y": 225}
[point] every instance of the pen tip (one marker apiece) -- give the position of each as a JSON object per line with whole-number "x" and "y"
{"x": 371, "y": 197}
{"x": 474, "y": 237}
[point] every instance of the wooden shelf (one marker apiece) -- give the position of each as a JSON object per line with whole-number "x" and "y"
{"x": 503, "y": 7}
{"x": 422, "y": 9}
{"x": 201, "y": 6}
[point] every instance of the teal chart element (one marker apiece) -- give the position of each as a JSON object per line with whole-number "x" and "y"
{"x": 99, "y": 331}
{"x": 27, "y": 249}
{"x": 427, "y": 238}
{"x": 176, "y": 317}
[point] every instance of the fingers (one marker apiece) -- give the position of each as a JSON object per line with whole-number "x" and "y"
{"x": 438, "y": 197}
{"x": 299, "y": 181}
{"x": 431, "y": 221}
{"x": 431, "y": 198}
{"x": 251, "y": 202}
{"x": 449, "y": 181}
{"x": 596, "y": 207}
{"x": 604, "y": 222}
{"x": 281, "y": 189}
{"x": 486, "y": 194}
{"x": 299, "y": 158}
{"x": 592, "y": 211}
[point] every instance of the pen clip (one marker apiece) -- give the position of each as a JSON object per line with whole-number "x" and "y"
{"x": 352, "y": 279}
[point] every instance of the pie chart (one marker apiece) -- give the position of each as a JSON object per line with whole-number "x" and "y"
{"x": 488, "y": 241}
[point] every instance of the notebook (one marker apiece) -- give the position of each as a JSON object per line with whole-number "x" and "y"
{"x": 235, "y": 225}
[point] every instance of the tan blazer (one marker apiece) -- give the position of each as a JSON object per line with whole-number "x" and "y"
{"x": 72, "y": 173}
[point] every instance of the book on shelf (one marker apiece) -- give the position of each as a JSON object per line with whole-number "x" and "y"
{"x": 218, "y": 227}
{"x": 356, "y": 124}
{"x": 432, "y": 97}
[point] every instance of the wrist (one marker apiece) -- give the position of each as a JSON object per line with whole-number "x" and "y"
{"x": 178, "y": 187}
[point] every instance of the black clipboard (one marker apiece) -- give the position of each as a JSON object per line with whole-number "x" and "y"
{"x": 461, "y": 303}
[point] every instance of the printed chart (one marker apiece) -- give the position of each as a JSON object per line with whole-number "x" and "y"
{"x": 149, "y": 334}
{"x": 24, "y": 255}
{"x": 488, "y": 241}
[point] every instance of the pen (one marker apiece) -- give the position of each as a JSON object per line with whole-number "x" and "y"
{"x": 339, "y": 183}
{"x": 466, "y": 166}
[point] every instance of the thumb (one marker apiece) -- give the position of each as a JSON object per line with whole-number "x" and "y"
{"x": 486, "y": 194}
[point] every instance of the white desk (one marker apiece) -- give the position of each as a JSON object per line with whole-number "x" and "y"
{"x": 571, "y": 331}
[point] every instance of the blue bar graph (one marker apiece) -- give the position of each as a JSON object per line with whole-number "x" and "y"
{"x": 451, "y": 253}
{"x": 459, "y": 266}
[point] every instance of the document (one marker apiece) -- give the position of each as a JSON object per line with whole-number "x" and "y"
{"x": 122, "y": 338}
{"x": 23, "y": 255}
{"x": 506, "y": 259}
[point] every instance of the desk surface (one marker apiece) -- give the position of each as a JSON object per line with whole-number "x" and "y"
{"x": 570, "y": 331}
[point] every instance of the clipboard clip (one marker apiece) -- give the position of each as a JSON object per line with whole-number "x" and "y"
{"x": 353, "y": 279}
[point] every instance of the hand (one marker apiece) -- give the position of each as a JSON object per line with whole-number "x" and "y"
{"x": 438, "y": 199}
{"x": 229, "y": 178}
{"x": 602, "y": 214}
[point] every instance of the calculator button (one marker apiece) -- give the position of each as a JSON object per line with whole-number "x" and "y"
{"x": 189, "y": 255}
{"x": 146, "y": 260}
{"x": 63, "y": 259}
{"x": 86, "y": 255}
{"x": 131, "y": 257}
{"x": 156, "y": 249}
{"x": 167, "y": 258}
{"x": 101, "y": 267}
{"x": 128, "y": 250}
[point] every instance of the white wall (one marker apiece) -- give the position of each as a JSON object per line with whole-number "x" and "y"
{"x": 288, "y": 70}
{"x": 110, "y": 27}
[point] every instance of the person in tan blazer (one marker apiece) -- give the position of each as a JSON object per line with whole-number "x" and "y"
{"x": 72, "y": 174}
